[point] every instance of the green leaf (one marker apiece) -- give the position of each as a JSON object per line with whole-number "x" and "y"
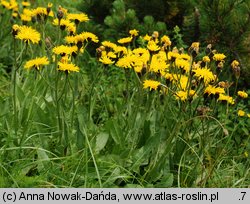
{"x": 115, "y": 131}
{"x": 166, "y": 181}
{"x": 101, "y": 141}
{"x": 43, "y": 160}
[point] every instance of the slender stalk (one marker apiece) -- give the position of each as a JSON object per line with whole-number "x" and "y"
{"x": 93, "y": 157}
{"x": 14, "y": 77}
{"x": 58, "y": 105}
{"x": 73, "y": 104}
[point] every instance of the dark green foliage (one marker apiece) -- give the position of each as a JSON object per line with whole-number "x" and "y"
{"x": 223, "y": 23}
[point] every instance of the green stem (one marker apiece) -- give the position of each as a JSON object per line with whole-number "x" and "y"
{"x": 58, "y": 105}
{"x": 14, "y": 73}
{"x": 93, "y": 157}
{"x": 73, "y": 104}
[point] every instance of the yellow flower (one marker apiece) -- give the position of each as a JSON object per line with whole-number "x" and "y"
{"x": 183, "y": 64}
{"x": 80, "y": 38}
{"x": 168, "y": 76}
{"x": 109, "y": 44}
{"x": 158, "y": 62}
{"x": 134, "y": 32}
{"x": 219, "y": 57}
{"x": 214, "y": 90}
{"x": 64, "y": 23}
{"x": 25, "y": 3}
{"x": 206, "y": 59}
{"x": 28, "y": 34}
{"x": 67, "y": 67}
{"x": 41, "y": 12}
{"x": 184, "y": 56}
{"x": 242, "y": 94}
{"x": 126, "y": 61}
{"x": 14, "y": 14}
{"x": 181, "y": 95}
{"x": 89, "y": 36}
{"x": 125, "y": 40}
{"x": 151, "y": 84}
{"x": 223, "y": 97}
{"x": 152, "y": 46}
{"x": 181, "y": 81}
{"x": 195, "y": 47}
{"x": 11, "y": 5}
{"x": 36, "y": 63}
{"x": 106, "y": 60}
{"x": 235, "y": 64}
{"x": 241, "y": 113}
{"x": 49, "y": 5}
{"x": 147, "y": 38}
{"x": 64, "y": 50}
{"x": 205, "y": 74}
{"x": 15, "y": 29}
{"x": 173, "y": 55}
{"x": 166, "y": 40}
{"x": 192, "y": 93}
{"x": 121, "y": 49}
{"x": 138, "y": 66}
{"x": 78, "y": 17}
{"x": 25, "y": 18}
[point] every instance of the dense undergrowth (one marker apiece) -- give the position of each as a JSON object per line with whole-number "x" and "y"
{"x": 140, "y": 113}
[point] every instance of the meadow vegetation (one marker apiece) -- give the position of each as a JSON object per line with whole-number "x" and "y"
{"x": 141, "y": 110}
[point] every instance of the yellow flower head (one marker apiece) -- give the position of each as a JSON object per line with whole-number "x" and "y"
{"x": 15, "y": 29}
{"x": 174, "y": 54}
{"x": 67, "y": 67}
{"x": 185, "y": 56}
{"x": 206, "y": 59}
{"x": 134, "y": 32}
{"x": 235, "y": 64}
{"x": 151, "y": 84}
{"x": 195, "y": 47}
{"x": 106, "y": 60}
{"x": 152, "y": 46}
{"x": 214, "y": 90}
{"x": 226, "y": 98}
{"x": 64, "y": 50}
{"x": 78, "y": 17}
{"x": 80, "y": 38}
{"x": 205, "y": 74}
{"x": 158, "y": 63}
{"x": 183, "y": 64}
{"x": 28, "y": 34}
{"x": 36, "y": 63}
{"x": 49, "y": 5}
{"x": 40, "y": 11}
{"x": 241, "y": 113}
{"x": 109, "y": 44}
{"x": 166, "y": 40}
{"x": 125, "y": 40}
{"x": 242, "y": 94}
{"x": 88, "y": 36}
{"x": 147, "y": 38}
{"x": 181, "y": 95}
{"x": 64, "y": 23}
{"x": 219, "y": 57}
{"x": 25, "y": 3}
{"x": 126, "y": 61}
{"x": 121, "y": 49}
{"x": 11, "y": 5}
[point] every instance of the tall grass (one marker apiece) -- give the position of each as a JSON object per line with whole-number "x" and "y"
{"x": 137, "y": 115}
